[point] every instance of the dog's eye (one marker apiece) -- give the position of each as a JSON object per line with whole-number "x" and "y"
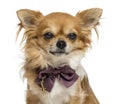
{"x": 48, "y": 35}
{"x": 72, "y": 36}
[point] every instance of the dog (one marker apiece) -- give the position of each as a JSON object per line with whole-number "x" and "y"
{"x": 54, "y": 46}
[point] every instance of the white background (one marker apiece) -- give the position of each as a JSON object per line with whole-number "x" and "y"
{"x": 102, "y": 63}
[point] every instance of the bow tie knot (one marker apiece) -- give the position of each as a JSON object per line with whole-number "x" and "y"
{"x": 65, "y": 75}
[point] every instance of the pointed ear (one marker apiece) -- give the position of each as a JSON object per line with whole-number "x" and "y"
{"x": 89, "y": 18}
{"x": 28, "y": 18}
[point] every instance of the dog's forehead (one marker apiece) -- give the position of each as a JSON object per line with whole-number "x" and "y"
{"x": 60, "y": 21}
{"x": 59, "y": 14}
{"x": 60, "y": 18}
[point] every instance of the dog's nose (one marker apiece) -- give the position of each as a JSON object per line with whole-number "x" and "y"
{"x": 61, "y": 44}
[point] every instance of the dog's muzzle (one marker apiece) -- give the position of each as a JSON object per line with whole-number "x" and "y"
{"x": 60, "y": 48}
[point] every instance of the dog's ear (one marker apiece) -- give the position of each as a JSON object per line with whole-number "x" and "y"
{"x": 89, "y": 18}
{"x": 28, "y": 18}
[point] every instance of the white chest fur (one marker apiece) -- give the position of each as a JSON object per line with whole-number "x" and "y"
{"x": 60, "y": 94}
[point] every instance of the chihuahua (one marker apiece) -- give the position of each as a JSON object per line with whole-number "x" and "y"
{"x": 54, "y": 46}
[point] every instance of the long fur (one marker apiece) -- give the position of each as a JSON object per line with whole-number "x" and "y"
{"x": 37, "y": 54}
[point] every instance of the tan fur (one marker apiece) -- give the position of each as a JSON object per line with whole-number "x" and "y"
{"x": 37, "y": 53}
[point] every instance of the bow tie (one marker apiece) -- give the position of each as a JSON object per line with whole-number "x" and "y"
{"x": 46, "y": 78}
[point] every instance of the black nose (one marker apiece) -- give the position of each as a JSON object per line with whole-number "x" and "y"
{"x": 61, "y": 44}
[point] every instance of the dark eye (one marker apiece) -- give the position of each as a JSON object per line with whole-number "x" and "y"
{"x": 48, "y": 35}
{"x": 72, "y": 36}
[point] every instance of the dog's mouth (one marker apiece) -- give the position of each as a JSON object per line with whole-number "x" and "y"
{"x": 59, "y": 52}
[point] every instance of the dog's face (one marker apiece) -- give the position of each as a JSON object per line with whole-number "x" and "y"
{"x": 58, "y": 35}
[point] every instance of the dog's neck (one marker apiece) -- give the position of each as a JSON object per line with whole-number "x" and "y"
{"x": 71, "y": 60}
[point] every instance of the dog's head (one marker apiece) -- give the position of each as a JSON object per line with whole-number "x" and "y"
{"x": 57, "y": 36}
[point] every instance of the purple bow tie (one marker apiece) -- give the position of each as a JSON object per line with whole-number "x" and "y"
{"x": 65, "y": 75}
